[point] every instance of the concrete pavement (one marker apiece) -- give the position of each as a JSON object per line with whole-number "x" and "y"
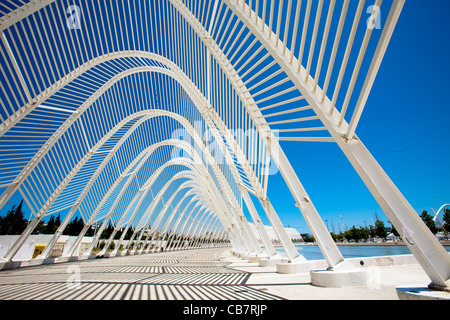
{"x": 204, "y": 274}
{"x": 382, "y": 286}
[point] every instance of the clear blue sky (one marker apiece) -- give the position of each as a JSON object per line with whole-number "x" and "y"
{"x": 405, "y": 126}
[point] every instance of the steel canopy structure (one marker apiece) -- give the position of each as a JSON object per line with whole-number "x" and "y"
{"x": 164, "y": 116}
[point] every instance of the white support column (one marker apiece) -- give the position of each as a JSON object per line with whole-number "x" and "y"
{"x": 141, "y": 233}
{"x": 125, "y": 230}
{"x": 171, "y": 216}
{"x": 164, "y": 210}
{"x": 195, "y": 221}
{"x": 106, "y": 220}
{"x": 168, "y": 222}
{"x": 22, "y": 238}
{"x": 268, "y": 245}
{"x": 177, "y": 223}
{"x": 183, "y": 227}
{"x": 332, "y": 253}
{"x": 295, "y": 262}
{"x": 431, "y": 255}
{"x": 153, "y": 205}
{"x": 209, "y": 229}
{"x": 326, "y": 243}
{"x": 198, "y": 235}
{"x": 73, "y": 250}
{"x": 427, "y": 250}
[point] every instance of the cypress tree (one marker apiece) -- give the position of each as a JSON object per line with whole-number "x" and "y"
{"x": 14, "y": 222}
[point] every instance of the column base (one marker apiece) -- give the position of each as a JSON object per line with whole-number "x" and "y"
{"x": 421, "y": 292}
{"x": 271, "y": 261}
{"x": 236, "y": 253}
{"x": 247, "y": 255}
{"x": 108, "y": 255}
{"x": 339, "y": 279}
{"x": 40, "y": 260}
{"x": 256, "y": 258}
{"x": 4, "y": 265}
{"x": 342, "y": 275}
{"x": 67, "y": 258}
{"x": 436, "y": 287}
{"x": 87, "y": 257}
{"x": 62, "y": 259}
{"x": 298, "y": 265}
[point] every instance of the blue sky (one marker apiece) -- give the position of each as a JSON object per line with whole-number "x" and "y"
{"x": 404, "y": 126}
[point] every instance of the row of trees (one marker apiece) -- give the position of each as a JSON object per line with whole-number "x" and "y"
{"x": 380, "y": 231}
{"x": 14, "y": 223}
{"x": 363, "y": 233}
{"x": 357, "y": 234}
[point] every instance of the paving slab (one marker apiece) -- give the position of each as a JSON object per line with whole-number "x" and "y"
{"x": 204, "y": 274}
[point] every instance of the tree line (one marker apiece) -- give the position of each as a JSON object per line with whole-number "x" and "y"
{"x": 14, "y": 223}
{"x": 380, "y": 231}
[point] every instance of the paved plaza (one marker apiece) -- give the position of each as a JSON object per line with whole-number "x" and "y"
{"x": 185, "y": 275}
{"x": 206, "y": 274}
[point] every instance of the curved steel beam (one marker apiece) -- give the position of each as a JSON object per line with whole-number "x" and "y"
{"x": 153, "y": 178}
{"x": 146, "y": 115}
{"x": 258, "y": 189}
{"x": 423, "y": 244}
{"x": 33, "y": 163}
{"x": 180, "y": 175}
{"x": 192, "y": 191}
{"x": 198, "y": 196}
{"x": 317, "y": 226}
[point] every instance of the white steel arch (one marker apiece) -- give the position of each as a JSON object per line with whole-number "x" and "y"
{"x": 436, "y": 216}
{"x": 86, "y": 105}
{"x": 143, "y": 225}
{"x": 426, "y": 248}
{"x": 146, "y": 153}
{"x": 236, "y": 66}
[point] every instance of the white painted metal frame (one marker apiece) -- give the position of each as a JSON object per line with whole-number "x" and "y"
{"x": 229, "y": 65}
{"x": 425, "y": 247}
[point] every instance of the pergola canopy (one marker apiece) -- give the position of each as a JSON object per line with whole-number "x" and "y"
{"x": 109, "y": 106}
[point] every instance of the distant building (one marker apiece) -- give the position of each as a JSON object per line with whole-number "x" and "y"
{"x": 292, "y": 232}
